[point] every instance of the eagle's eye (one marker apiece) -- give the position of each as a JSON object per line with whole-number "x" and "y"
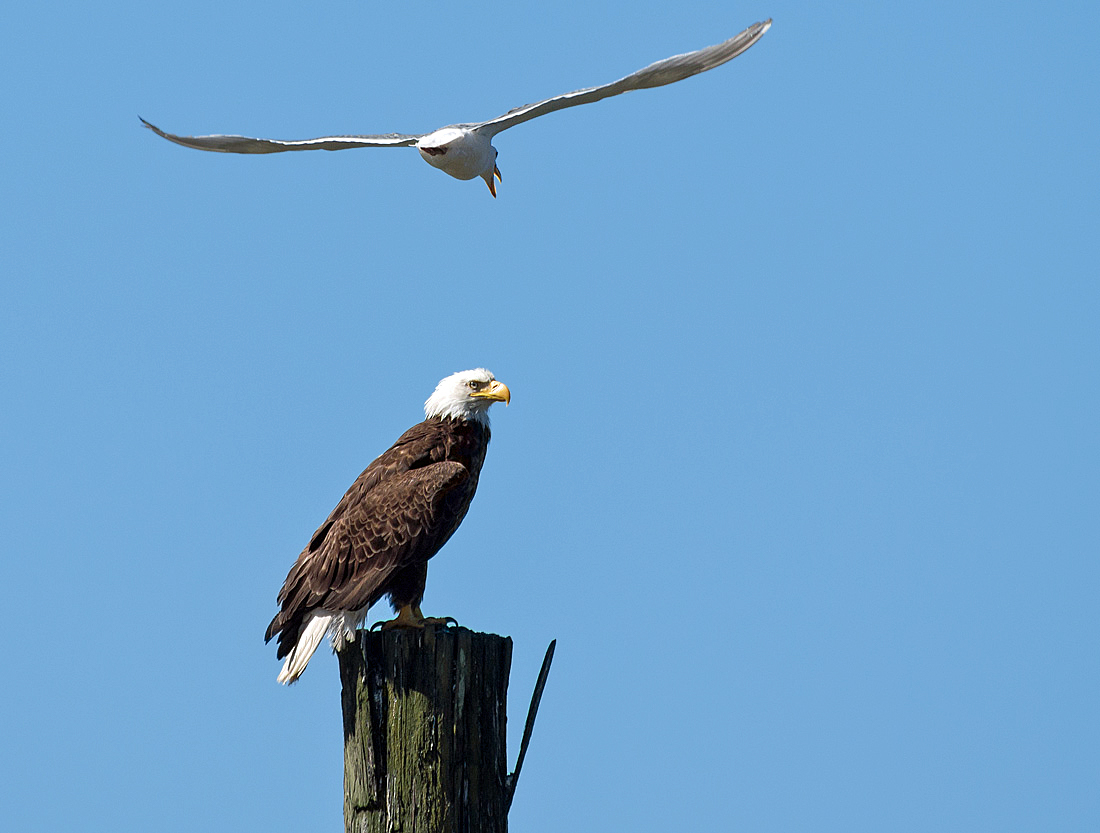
{"x": 474, "y": 384}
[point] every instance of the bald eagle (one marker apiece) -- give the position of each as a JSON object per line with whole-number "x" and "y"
{"x": 397, "y": 514}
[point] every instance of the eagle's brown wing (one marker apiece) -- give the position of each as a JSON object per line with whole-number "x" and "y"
{"x": 391, "y": 517}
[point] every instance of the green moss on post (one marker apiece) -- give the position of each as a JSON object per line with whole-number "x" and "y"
{"x": 425, "y": 731}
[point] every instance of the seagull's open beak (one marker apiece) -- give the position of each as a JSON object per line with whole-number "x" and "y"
{"x": 489, "y": 179}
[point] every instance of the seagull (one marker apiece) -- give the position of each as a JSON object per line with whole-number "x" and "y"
{"x": 465, "y": 151}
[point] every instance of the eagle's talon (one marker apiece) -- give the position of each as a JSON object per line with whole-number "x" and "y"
{"x": 407, "y": 617}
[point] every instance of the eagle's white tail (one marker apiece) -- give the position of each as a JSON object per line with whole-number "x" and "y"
{"x": 308, "y": 640}
{"x": 340, "y": 625}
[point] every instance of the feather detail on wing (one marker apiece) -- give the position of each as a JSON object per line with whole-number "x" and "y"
{"x": 667, "y": 71}
{"x": 246, "y": 144}
{"x": 383, "y": 524}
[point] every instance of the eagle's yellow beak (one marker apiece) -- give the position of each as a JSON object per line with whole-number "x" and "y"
{"x": 496, "y": 391}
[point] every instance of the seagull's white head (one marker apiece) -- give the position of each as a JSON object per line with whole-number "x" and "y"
{"x": 461, "y": 153}
{"x": 467, "y": 395}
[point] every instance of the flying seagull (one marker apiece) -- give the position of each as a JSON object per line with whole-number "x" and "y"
{"x": 397, "y": 514}
{"x": 465, "y": 151}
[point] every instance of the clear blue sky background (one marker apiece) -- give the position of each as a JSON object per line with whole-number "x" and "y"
{"x": 801, "y": 466}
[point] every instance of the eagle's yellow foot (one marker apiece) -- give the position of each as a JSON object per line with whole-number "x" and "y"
{"x": 412, "y": 617}
{"x": 434, "y": 621}
{"x": 407, "y": 617}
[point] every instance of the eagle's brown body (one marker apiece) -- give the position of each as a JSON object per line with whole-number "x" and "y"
{"x": 395, "y": 516}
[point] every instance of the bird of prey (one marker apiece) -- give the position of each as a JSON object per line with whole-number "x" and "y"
{"x": 397, "y": 514}
{"x": 465, "y": 151}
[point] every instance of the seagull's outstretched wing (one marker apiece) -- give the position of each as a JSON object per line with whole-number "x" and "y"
{"x": 244, "y": 144}
{"x": 668, "y": 71}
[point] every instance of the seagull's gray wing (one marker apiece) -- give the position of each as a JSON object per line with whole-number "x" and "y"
{"x": 668, "y": 71}
{"x": 244, "y": 144}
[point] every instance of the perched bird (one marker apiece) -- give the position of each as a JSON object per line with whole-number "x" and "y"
{"x": 396, "y": 515}
{"x": 465, "y": 151}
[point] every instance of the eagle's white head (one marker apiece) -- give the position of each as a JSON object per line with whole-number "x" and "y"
{"x": 467, "y": 395}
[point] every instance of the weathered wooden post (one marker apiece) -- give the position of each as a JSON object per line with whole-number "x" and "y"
{"x": 425, "y": 731}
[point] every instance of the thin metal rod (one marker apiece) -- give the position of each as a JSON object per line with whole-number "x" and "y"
{"x": 513, "y": 779}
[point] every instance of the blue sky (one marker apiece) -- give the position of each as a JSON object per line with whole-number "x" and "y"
{"x": 801, "y": 465}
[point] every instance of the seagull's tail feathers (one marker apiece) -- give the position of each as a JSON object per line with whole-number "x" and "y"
{"x": 308, "y": 639}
